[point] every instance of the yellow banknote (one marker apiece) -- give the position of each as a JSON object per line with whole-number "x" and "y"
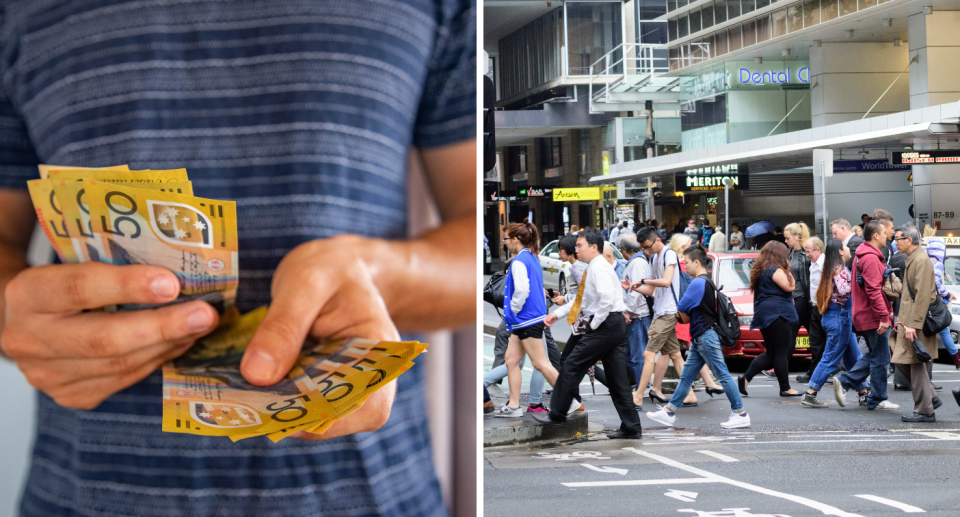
{"x": 123, "y": 177}
{"x": 194, "y": 237}
{"x": 45, "y": 169}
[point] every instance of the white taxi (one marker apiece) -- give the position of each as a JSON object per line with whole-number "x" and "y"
{"x": 556, "y": 271}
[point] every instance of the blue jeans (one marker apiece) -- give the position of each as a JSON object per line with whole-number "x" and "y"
{"x": 536, "y": 380}
{"x": 841, "y": 345}
{"x": 948, "y": 341}
{"x": 705, "y": 349}
{"x": 636, "y": 344}
{"x": 874, "y": 365}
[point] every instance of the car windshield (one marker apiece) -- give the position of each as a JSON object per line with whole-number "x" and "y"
{"x": 735, "y": 273}
{"x": 951, "y": 271}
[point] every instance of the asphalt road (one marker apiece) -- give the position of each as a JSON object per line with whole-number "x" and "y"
{"x": 793, "y": 461}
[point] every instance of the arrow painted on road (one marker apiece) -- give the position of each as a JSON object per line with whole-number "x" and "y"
{"x": 606, "y": 470}
{"x": 680, "y": 495}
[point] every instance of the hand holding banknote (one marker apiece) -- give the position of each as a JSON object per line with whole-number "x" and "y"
{"x": 80, "y": 358}
{"x": 322, "y": 289}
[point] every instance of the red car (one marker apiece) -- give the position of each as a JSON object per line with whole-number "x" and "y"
{"x": 730, "y": 271}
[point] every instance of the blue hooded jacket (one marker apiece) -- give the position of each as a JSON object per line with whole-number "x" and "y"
{"x": 937, "y": 251}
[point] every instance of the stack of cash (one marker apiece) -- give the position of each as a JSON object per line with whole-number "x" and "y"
{"x": 205, "y": 394}
{"x": 118, "y": 216}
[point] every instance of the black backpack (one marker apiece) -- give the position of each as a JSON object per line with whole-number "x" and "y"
{"x": 728, "y": 321}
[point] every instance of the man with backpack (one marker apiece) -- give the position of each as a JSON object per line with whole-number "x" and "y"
{"x": 701, "y": 306}
{"x": 666, "y": 283}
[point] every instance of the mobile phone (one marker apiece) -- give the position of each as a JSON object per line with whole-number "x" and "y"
{"x": 552, "y": 294}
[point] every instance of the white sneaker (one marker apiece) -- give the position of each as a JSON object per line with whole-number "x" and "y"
{"x": 839, "y": 393}
{"x": 887, "y": 405}
{"x": 574, "y": 407}
{"x": 663, "y": 417}
{"x": 736, "y": 421}
{"x": 506, "y": 411}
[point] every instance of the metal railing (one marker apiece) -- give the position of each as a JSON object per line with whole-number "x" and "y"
{"x": 635, "y": 59}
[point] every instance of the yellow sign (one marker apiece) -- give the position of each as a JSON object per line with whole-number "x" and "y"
{"x": 577, "y": 194}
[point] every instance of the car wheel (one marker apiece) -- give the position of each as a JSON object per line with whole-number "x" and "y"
{"x": 954, "y": 335}
{"x": 562, "y": 288}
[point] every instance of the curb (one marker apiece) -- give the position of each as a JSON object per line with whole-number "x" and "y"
{"x": 526, "y": 429}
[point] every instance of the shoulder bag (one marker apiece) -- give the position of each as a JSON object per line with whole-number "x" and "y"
{"x": 938, "y": 314}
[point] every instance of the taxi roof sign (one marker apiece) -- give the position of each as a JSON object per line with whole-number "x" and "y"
{"x": 949, "y": 241}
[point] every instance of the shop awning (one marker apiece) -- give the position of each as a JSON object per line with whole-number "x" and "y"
{"x": 927, "y": 128}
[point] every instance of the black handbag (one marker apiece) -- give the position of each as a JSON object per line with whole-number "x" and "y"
{"x": 493, "y": 291}
{"x": 938, "y": 314}
{"x": 921, "y": 350}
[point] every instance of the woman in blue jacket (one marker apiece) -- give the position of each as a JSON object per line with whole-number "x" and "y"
{"x": 524, "y": 307}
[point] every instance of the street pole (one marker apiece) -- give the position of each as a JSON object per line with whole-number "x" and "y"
{"x": 823, "y": 196}
{"x": 726, "y": 206}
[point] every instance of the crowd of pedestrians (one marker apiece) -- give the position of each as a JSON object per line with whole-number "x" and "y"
{"x": 863, "y": 297}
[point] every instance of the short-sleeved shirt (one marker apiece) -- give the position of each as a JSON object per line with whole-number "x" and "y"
{"x": 700, "y": 303}
{"x": 665, "y": 299}
{"x": 302, "y": 111}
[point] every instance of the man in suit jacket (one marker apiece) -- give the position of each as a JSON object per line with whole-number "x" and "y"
{"x": 842, "y": 230}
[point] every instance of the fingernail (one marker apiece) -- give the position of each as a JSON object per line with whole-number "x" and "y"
{"x": 199, "y": 320}
{"x": 164, "y": 287}
{"x": 261, "y": 365}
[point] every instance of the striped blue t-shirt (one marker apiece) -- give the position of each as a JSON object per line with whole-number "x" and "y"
{"x": 303, "y": 112}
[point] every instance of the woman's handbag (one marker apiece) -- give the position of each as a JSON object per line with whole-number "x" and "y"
{"x": 938, "y": 314}
{"x": 892, "y": 287}
{"x": 493, "y": 291}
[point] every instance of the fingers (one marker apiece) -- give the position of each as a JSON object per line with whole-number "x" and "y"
{"x": 74, "y": 287}
{"x": 371, "y": 416}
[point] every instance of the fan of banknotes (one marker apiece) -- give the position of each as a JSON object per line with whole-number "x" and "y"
{"x": 118, "y": 216}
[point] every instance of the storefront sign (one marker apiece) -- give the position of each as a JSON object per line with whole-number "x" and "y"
{"x": 711, "y": 178}
{"x": 577, "y": 194}
{"x": 749, "y": 75}
{"x": 535, "y": 191}
{"x": 867, "y": 166}
{"x": 921, "y": 157}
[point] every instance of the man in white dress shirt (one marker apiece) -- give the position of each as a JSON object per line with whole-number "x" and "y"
{"x": 599, "y": 311}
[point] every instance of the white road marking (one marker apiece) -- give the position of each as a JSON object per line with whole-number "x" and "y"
{"x": 939, "y": 434}
{"x": 680, "y": 495}
{"x": 606, "y": 470}
{"x": 825, "y": 508}
{"x": 889, "y": 502}
{"x": 721, "y": 457}
{"x": 638, "y": 482}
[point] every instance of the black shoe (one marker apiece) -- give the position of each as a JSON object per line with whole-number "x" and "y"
{"x": 785, "y": 394}
{"x": 742, "y": 386}
{"x": 544, "y": 418}
{"x": 620, "y": 435}
{"x": 803, "y": 379}
{"x": 657, "y": 398}
{"x": 901, "y": 387}
{"x": 937, "y": 388}
{"x": 937, "y": 403}
{"x": 956, "y": 395}
{"x": 862, "y": 398}
{"x": 917, "y": 417}
{"x": 712, "y": 391}
{"x": 770, "y": 374}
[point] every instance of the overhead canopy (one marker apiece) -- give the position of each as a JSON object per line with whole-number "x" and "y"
{"x": 927, "y": 128}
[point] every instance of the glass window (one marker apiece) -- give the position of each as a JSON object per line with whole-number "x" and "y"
{"x": 763, "y": 3}
{"x": 733, "y": 9}
{"x": 811, "y": 13}
{"x": 748, "y": 6}
{"x": 720, "y": 40}
{"x": 720, "y": 11}
{"x": 763, "y": 28}
{"x": 749, "y": 33}
{"x": 551, "y": 248}
{"x": 671, "y": 5}
{"x": 674, "y": 58}
{"x": 951, "y": 271}
{"x": 682, "y": 3}
{"x": 779, "y": 22}
{"x": 707, "y": 15}
{"x": 735, "y": 273}
{"x": 828, "y": 10}
{"x": 734, "y": 39}
{"x": 794, "y": 17}
{"x": 593, "y": 30}
{"x": 709, "y": 49}
{"x": 672, "y": 29}
{"x": 683, "y": 26}
{"x": 517, "y": 159}
{"x": 848, "y": 7}
{"x": 695, "y": 21}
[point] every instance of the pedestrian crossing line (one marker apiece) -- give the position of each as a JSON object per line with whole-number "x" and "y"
{"x": 640, "y": 482}
{"x": 890, "y": 502}
{"x": 722, "y": 457}
{"x": 816, "y": 505}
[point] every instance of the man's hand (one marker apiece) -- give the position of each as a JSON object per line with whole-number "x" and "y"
{"x": 323, "y": 289}
{"x": 884, "y": 325}
{"x": 910, "y": 334}
{"x": 626, "y": 316}
{"x": 550, "y": 319}
{"x": 559, "y": 300}
{"x": 81, "y": 358}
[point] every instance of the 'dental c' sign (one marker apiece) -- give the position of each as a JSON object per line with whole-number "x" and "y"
{"x": 763, "y": 78}
{"x": 768, "y": 75}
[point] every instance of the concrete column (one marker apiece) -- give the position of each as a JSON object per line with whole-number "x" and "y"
{"x": 850, "y": 77}
{"x": 851, "y": 194}
{"x": 935, "y": 40}
{"x": 936, "y": 189}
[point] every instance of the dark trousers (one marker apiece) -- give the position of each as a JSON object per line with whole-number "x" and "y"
{"x": 779, "y": 338}
{"x": 608, "y": 344}
{"x": 597, "y": 372}
{"x": 803, "y": 307}
{"x": 818, "y": 339}
{"x": 901, "y": 380}
{"x": 502, "y": 339}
